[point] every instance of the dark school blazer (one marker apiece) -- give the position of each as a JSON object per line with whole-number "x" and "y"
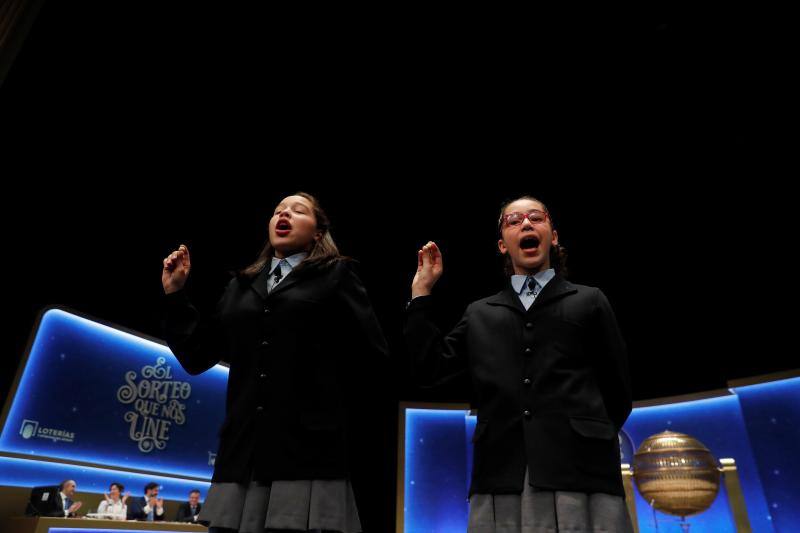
{"x": 550, "y": 384}
{"x": 295, "y": 355}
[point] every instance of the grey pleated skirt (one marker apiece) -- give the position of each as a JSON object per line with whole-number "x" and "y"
{"x": 301, "y": 505}
{"x": 547, "y": 511}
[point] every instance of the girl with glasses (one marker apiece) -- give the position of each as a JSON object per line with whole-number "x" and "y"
{"x": 550, "y": 383}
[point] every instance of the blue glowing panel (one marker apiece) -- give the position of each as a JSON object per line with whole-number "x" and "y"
{"x": 436, "y": 482}
{"x": 30, "y": 473}
{"x": 470, "y": 424}
{"x": 626, "y": 448}
{"x": 772, "y": 415}
{"x": 717, "y": 423}
{"x": 93, "y": 393}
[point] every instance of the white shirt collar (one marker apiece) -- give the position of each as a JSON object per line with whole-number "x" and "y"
{"x": 518, "y": 281}
{"x": 293, "y": 260}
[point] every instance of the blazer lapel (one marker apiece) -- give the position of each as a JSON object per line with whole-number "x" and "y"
{"x": 259, "y": 284}
{"x": 290, "y": 279}
{"x": 556, "y": 288}
{"x": 508, "y": 298}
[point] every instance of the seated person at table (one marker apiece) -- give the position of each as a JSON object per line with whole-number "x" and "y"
{"x": 188, "y": 511}
{"x": 54, "y": 501}
{"x": 114, "y": 502}
{"x": 148, "y": 508}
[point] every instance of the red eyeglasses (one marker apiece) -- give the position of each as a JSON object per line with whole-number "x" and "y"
{"x": 515, "y": 219}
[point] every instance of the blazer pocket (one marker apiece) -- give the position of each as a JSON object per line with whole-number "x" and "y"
{"x": 480, "y": 427}
{"x": 595, "y": 428}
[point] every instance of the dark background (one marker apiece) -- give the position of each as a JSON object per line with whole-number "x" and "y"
{"x": 659, "y": 149}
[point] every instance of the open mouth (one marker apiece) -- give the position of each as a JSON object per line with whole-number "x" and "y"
{"x": 529, "y": 243}
{"x": 283, "y": 227}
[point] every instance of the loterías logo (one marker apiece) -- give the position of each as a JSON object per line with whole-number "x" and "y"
{"x": 157, "y": 400}
{"x": 31, "y": 429}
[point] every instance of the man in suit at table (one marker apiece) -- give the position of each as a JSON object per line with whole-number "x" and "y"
{"x": 188, "y": 511}
{"x": 61, "y": 504}
{"x": 149, "y": 508}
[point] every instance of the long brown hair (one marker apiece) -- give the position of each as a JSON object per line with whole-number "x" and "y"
{"x": 323, "y": 252}
{"x": 558, "y": 254}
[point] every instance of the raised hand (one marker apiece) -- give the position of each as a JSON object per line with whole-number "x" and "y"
{"x": 176, "y": 269}
{"x": 429, "y": 269}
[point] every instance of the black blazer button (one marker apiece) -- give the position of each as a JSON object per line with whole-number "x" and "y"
{"x": 526, "y": 382}
{"x": 263, "y": 376}
{"x": 528, "y": 350}
{"x": 529, "y": 325}
{"x": 259, "y": 408}
{"x": 264, "y": 343}
{"x": 526, "y": 413}
{"x": 266, "y": 310}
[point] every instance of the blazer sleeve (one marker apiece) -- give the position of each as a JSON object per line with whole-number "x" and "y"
{"x": 372, "y": 348}
{"x": 198, "y": 342}
{"x": 55, "y": 508}
{"x": 435, "y": 358}
{"x": 612, "y": 362}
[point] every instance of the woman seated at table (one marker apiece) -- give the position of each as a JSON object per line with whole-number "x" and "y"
{"x": 114, "y": 502}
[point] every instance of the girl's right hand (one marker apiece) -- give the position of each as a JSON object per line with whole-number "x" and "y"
{"x": 429, "y": 270}
{"x": 176, "y": 269}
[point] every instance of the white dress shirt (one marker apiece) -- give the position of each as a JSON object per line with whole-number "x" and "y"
{"x": 147, "y": 509}
{"x": 520, "y": 283}
{"x": 64, "y": 503}
{"x": 116, "y": 508}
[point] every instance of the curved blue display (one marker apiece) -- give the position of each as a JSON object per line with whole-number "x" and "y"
{"x": 96, "y": 394}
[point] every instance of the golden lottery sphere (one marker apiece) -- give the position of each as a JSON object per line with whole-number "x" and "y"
{"x": 676, "y": 473}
